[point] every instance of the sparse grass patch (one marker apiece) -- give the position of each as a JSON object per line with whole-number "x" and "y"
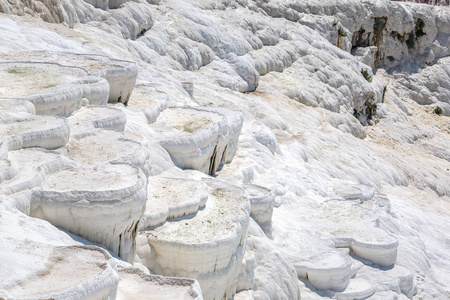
{"x": 341, "y": 31}
{"x": 335, "y": 22}
{"x": 384, "y": 93}
{"x": 366, "y": 75}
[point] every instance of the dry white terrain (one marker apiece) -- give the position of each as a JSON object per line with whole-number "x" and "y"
{"x": 220, "y": 149}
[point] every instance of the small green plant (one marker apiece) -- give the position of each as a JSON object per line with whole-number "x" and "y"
{"x": 410, "y": 42}
{"x": 335, "y": 22}
{"x": 391, "y": 58}
{"x": 438, "y": 110}
{"x": 366, "y": 75}
{"x": 341, "y": 31}
{"x": 384, "y": 93}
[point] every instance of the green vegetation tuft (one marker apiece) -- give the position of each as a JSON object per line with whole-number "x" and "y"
{"x": 391, "y": 58}
{"x": 384, "y": 93}
{"x": 335, "y": 22}
{"x": 341, "y": 31}
{"x": 438, "y": 110}
{"x": 366, "y": 75}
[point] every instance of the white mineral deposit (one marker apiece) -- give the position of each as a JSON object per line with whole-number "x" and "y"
{"x": 224, "y": 149}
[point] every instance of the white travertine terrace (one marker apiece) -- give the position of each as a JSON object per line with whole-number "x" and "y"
{"x": 148, "y": 100}
{"x": 17, "y": 106}
{"x": 330, "y": 271}
{"x": 52, "y": 88}
{"x": 221, "y": 230}
{"x": 327, "y": 120}
{"x": 199, "y": 138}
{"x": 85, "y": 120}
{"x": 182, "y": 196}
{"x": 135, "y": 284}
{"x": 361, "y": 235}
{"x": 30, "y": 168}
{"x": 79, "y": 201}
{"x": 120, "y": 74}
{"x": 26, "y": 130}
{"x": 86, "y": 272}
{"x": 107, "y": 146}
{"x": 49, "y": 264}
{"x": 261, "y": 205}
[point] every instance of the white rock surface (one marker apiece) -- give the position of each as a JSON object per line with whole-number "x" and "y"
{"x": 199, "y": 138}
{"x": 214, "y": 254}
{"x": 85, "y": 120}
{"x": 102, "y": 204}
{"x": 135, "y": 284}
{"x": 49, "y": 264}
{"x": 357, "y": 164}
{"x": 52, "y": 88}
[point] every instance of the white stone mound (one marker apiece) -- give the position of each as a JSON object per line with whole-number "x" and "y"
{"x": 120, "y": 74}
{"x": 182, "y": 196}
{"x": 214, "y": 254}
{"x": 257, "y": 149}
{"x": 327, "y": 271}
{"x": 199, "y": 138}
{"x": 68, "y": 199}
{"x": 104, "y": 146}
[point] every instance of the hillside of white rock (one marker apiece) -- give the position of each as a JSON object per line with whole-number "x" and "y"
{"x": 224, "y": 149}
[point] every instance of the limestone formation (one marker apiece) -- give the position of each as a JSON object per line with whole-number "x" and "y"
{"x": 253, "y": 149}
